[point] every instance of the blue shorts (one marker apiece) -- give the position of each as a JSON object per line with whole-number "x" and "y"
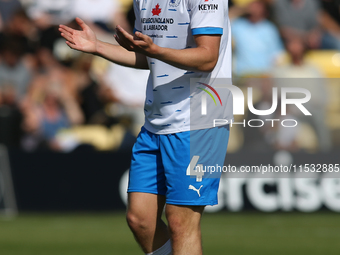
{"x": 170, "y": 165}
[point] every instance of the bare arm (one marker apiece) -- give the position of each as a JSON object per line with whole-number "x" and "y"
{"x": 121, "y": 56}
{"x": 202, "y": 58}
{"x": 329, "y": 24}
{"x": 85, "y": 40}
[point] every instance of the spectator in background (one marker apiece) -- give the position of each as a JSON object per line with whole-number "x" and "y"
{"x": 22, "y": 29}
{"x": 7, "y": 9}
{"x": 128, "y": 86}
{"x": 16, "y": 67}
{"x": 93, "y": 93}
{"x": 42, "y": 121}
{"x": 52, "y": 112}
{"x": 330, "y": 21}
{"x": 299, "y": 18}
{"x": 313, "y": 81}
{"x": 318, "y": 21}
{"x": 104, "y": 14}
{"x": 47, "y": 13}
{"x": 51, "y": 103}
{"x": 257, "y": 41}
{"x": 297, "y": 67}
{"x": 14, "y": 71}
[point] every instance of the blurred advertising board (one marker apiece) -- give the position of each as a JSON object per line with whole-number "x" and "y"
{"x": 92, "y": 181}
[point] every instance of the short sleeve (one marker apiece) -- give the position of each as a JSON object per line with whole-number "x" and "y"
{"x": 136, "y": 7}
{"x": 207, "y": 17}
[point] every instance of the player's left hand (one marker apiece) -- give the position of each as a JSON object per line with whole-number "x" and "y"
{"x": 138, "y": 42}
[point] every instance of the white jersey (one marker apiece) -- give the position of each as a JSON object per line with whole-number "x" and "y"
{"x": 172, "y": 24}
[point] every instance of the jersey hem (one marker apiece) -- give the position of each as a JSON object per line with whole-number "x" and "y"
{"x": 181, "y": 130}
{"x": 135, "y": 30}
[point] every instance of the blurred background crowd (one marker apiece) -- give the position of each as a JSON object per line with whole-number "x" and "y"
{"x": 54, "y": 98}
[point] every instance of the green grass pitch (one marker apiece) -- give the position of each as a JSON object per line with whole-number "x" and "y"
{"x": 224, "y": 233}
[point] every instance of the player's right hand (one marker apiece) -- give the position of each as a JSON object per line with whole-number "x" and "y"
{"x": 83, "y": 40}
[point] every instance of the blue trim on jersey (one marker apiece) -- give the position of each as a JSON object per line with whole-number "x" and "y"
{"x": 135, "y": 30}
{"x": 207, "y": 31}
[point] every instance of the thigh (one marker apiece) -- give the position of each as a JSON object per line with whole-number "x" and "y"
{"x": 182, "y": 154}
{"x": 145, "y": 206}
{"x": 184, "y": 214}
{"x": 184, "y": 221}
{"x": 147, "y": 172}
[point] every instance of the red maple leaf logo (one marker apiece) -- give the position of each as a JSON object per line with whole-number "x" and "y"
{"x": 156, "y": 11}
